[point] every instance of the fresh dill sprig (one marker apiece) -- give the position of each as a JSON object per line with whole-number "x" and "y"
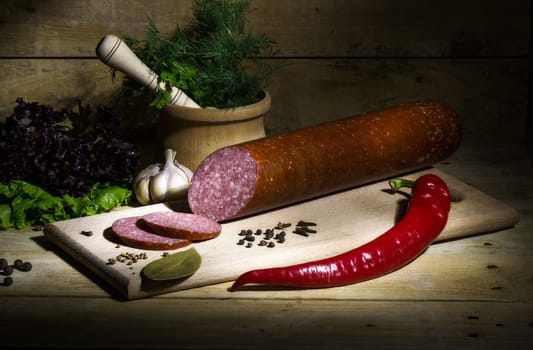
{"x": 213, "y": 59}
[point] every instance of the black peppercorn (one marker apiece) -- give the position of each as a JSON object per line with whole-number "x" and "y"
{"x": 26, "y": 266}
{"x": 17, "y": 264}
{"x": 8, "y": 281}
{"x": 3, "y": 263}
{"x": 8, "y": 270}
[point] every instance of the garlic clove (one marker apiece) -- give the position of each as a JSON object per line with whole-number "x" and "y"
{"x": 141, "y": 183}
{"x": 159, "y": 187}
{"x": 178, "y": 184}
{"x": 142, "y": 191}
{"x": 186, "y": 171}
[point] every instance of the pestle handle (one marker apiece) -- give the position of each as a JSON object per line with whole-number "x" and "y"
{"x": 114, "y": 52}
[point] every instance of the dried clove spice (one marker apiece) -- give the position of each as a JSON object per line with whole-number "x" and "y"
{"x": 302, "y": 228}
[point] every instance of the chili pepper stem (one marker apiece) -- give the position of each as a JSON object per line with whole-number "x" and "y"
{"x": 398, "y": 183}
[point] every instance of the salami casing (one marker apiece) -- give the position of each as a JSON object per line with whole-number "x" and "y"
{"x": 283, "y": 169}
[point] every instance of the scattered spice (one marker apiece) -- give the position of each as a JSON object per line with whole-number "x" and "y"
{"x": 269, "y": 234}
{"x": 87, "y": 233}
{"x": 302, "y": 223}
{"x": 301, "y": 232}
{"x": 17, "y": 264}
{"x": 127, "y": 258}
{"x": 282, "y": 226}
{"x": 302, "y": 228}
{"x": 25, "y": 267}
{"x": 7, "y": 270}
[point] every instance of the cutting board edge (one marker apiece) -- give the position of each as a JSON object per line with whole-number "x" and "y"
{"x": 128, "y": 289}
{"x": 110, "y": 276}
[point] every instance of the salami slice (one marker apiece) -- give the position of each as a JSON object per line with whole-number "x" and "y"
{"x": 182, "y": 225}
{"x": 131, "y": 233}
{"x": 283, "y": 169}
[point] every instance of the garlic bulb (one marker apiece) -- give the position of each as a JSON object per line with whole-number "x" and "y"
{"x": 162, "y": 182}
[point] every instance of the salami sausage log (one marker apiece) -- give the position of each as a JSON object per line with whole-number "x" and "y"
{"x": 182, "y": 225}
{"x": 275, "y": 171}
{"x": 131, "y": 232}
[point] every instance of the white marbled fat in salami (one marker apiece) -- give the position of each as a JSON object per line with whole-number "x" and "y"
{"x": 182, "y": 225}
{"x": 223, "y": 183}
{"x": 131, "y": 233}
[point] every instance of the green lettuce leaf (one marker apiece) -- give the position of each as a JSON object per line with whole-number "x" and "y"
{"x": 23, "y": 204}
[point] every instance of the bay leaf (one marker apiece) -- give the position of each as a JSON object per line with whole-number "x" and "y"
{"x": 174, "y": 266}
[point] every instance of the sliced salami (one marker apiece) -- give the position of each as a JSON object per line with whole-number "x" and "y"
{"x": 130, "y": 231}
{"x": 182, "y": 225}
{"x": 283, "y": 169}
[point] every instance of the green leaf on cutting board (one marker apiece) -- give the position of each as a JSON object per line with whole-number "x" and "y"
{"x": 174, "y": 266}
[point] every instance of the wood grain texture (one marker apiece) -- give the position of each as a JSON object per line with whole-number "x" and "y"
{"x": 335, "y": 28}
{"x": 484, "y": 267}
{"x": 72, "y": 29}
{"x": 266, "y": 323}
{"x": 346, "y": 219}
{"x": 367, "y": 54}
{"x": 305, "y": 92}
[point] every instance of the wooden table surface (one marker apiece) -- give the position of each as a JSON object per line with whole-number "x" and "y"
{"x": 344, "y": 57}
{"x": 475, "y": 292}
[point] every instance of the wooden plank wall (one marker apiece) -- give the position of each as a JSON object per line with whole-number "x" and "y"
{"x": 341, "y": 57}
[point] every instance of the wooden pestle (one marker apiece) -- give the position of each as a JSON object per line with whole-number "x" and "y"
{"x": 114, "y": 52}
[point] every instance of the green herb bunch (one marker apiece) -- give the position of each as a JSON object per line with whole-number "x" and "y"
{"x": 213, "y": 59}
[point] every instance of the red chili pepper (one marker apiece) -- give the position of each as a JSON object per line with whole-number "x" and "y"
{"x": 424, "y": 221}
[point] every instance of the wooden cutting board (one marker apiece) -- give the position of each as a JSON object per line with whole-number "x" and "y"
{"x": 344, "y": 220}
